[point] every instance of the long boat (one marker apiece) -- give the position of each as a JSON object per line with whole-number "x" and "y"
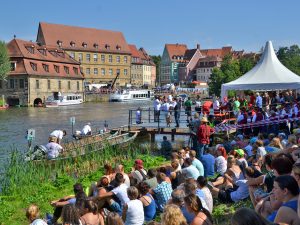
{"x": 121, "y": 140}
{"x": 57, "y": 99}
{"x": 131, "y": 95}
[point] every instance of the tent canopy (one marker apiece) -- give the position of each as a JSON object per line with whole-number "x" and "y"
{"x": 268, "y": 74}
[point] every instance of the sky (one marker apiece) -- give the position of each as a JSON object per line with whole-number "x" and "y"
{"x": 244, "y": 25}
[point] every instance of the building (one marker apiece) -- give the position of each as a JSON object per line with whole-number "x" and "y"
{"x": 172, "y": 56}
{"x": 212, "y": 58}
{"x": 142, "y": 68}
{"x": 37, "y": 71}
{"x": 103, "y": 54}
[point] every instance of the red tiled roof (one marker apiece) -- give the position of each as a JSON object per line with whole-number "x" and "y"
{"x": 176, "y": 50}
{"x": 219, "y": 52}
{"x": 50, "y": 34}
{"x": 134, "y": 51}
{"x": 17, "y": 49}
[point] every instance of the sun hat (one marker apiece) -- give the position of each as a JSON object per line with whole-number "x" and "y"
{"x": 204, "y": 119}
{"x": 240, "y": 152}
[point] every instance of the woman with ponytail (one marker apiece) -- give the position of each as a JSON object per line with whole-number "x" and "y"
{"x": 91, "y": 216}
{"x": 194, "y": 205}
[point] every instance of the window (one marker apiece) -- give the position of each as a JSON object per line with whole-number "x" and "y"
{"x": 72, "y": 55}
{"x": 125, "y": 59}
{"x": 30, "y": 49}
{"x": 13, "y": 66}
{"x": 107, "y": 46}
{"x": 56, "y": 68}
{"x": 11, "y": 83}
{"x": 96, "y": 45}
{"x": 125, "y": 72}
{"x": 110, "y": 72}
{"x": 103, "y": 58}
{"x": 88, "y": 71}
{"x": 69, "y": 85}
{"x": 95, "y": 57}
{"x": 102, "y": 71}
{"x": 59, "y": 84}
{"x": 118, "y": 59}
{"x": 88, "y": 57}
{"x": 66, "y": 69}
{"x": 33, "y": 66}
{"x": 78, "y": 87}
{"x": 110, "y": 58}
{"x": 72, "y": 43}
{"x": 46, "y": 67}
{"x": 49, "y": 84}
{"x": 118, "y": 71}
{"x": 21, "y": 83}
{"x": 75, "y": 70}
{"x": 80, "y": 57}
{"x": 84, "y": 44}
{"x": 37, "y": 84}
{"x": 96, "y": 71}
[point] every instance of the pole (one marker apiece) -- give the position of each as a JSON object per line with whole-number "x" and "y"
{"x": 129, "y": 120}
{"x": 72, "y": 128}
{"x": 3, "y": 100}
{"x": 149, "y": 116}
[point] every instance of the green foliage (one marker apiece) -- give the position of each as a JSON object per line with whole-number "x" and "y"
{"x": 4, "y": 61}
{"x": 290, "y": 57}
{"x": 230, "y": 70}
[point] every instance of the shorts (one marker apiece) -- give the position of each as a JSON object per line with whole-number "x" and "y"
{"x": 116, "y": 207}
{"x": 224, "y": 195}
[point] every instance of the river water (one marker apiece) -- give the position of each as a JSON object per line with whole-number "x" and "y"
{"x": 14, "y": 122}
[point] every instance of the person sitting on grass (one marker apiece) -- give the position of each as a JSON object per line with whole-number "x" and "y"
{"x": 172, "y": 215}
{"x": 70, "y": 215}
{"x": 202, "y": 185}
{"x": 246, "y": 216}
{"x": 32, "y": 214}
{"x": 114, "y": 219}
{"x": 194, "y": 205}
{"x": 148, "y": 201}
{"x": 91, "y": 214}
{"x": 133, "y": 211}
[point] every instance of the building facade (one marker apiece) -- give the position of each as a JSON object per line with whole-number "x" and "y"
{"x": 37, "y": 71}
{"x": 172, "y": 56}
{"x": 103, "y": 54}
{"x": 142, "y": 68}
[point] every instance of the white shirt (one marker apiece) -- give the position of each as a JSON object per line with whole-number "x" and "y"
{"x": 53, "y": 150}
{"x": 86, "y": 129}
{"x": 121, "y": 193}
{"x": 38, "y": 222}
{"x": 135, "y": 213}
{"x": 170, "y": 98}
{"x": 156, "y": 104}
{"x": 57, "y": 133}
{"x": 221, "y": 164}
{"x": 216, "y": 105}
{"x": 165, "y": 107}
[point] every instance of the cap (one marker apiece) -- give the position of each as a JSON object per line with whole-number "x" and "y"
{"x": 139, "y": 163}
{"x": 240, "y": 152}
{"x": 253, "y": 140}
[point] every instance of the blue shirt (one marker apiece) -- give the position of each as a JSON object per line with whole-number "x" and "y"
{"x": 163, "y": 193}
{"x": 208, "y": 162}
{"x": 196, "y": 163}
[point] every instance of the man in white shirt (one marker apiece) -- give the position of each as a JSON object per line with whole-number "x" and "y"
{"x": 156, "y": 106}
{"x": 87, "y": 130}
{"x": 216, "y": 105}
{"x": 53, "y": 148}
{"x": 59, "y": 134}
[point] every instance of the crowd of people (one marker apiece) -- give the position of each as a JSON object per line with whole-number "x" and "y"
{"x": 261, "y": 166}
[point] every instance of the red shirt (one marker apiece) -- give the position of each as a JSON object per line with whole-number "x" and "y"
{"x": 204, "y": 132}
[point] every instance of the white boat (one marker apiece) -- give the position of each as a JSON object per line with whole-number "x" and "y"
{"x": 57, "y": 99}
{"x": 131, "y": 95}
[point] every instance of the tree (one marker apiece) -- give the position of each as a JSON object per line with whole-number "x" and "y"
{"x": 290, "y": 57}
{"x": 4, "y": 61}
{"x": 156, "y": 60}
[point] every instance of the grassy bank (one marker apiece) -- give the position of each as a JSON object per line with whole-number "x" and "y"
{"x": 26, "y": 183}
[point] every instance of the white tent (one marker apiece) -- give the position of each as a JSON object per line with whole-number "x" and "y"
{"x": 268, "y": 74}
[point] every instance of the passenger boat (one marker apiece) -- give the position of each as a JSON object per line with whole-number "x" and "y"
{"x": 57, "y": 99}
{"x": 131, "y": 95}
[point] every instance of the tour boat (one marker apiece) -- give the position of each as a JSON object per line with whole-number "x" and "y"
{"x": 130, "y": 95}
{"x": 57, "y": 99}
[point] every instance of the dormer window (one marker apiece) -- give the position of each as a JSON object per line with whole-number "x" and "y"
{"x": 33, "y": 66}
{"x": 56, "y": 68}
{"x": 118, "y": 47}
{"x": 46, "y": 67}
{"x": 72, "y": 43}
{"x": 84, "y": 44}
{"x": 107, "y": 46}
{"x": 59, "y": 43}
{"x": 30, "y": 49}
{"x": 96, "y": 45}
{"x": 54, "y": 53}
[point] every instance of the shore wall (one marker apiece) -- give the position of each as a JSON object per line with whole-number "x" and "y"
{"x": 97, "y": 98}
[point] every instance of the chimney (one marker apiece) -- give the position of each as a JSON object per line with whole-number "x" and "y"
{"x": 198, "y": 46}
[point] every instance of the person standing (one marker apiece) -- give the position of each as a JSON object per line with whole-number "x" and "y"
{"x": 188, "y": 108}
{"x": 166, "y": 148}
{"x": 176, "y": 108}
{"x": 258, "y": 100}
{"x": 156, "y": 105}
{"x": 204, "y": 133}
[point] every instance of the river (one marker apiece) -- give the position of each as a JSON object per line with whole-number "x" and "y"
{"x": 14, "y": 122}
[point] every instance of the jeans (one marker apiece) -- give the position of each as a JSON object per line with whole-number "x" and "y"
{"x": 177, "y": 116}
{"x": 156, "y": 115}
{"x": 200, "y": 149}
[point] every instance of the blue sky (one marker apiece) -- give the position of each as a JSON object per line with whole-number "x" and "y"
{"x": 151, "y": 24}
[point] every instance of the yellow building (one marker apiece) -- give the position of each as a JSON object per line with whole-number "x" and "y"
{"x": 103, "y": 54}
